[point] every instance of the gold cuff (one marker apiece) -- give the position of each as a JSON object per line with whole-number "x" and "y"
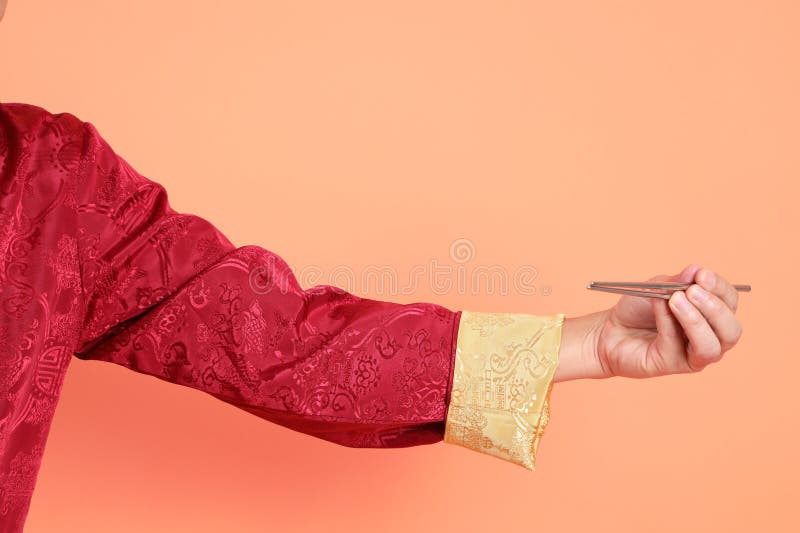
{"x": 503, "y": 375}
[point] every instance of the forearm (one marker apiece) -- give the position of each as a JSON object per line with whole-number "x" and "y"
{"x": 577, "y": 357}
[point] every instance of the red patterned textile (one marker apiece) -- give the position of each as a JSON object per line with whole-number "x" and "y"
{"x": 95, "y": 263}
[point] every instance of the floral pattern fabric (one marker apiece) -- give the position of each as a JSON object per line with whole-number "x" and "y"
{"x": 95, "y": 263}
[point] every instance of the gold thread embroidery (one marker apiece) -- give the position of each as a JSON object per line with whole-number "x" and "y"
{"x": 503, "y": 376}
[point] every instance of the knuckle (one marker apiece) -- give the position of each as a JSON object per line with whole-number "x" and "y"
{"x": 714, "y": 305}
{"x": 695, "y": 366}
{"x": 712, "y": 353}
{"x": 732, "y": 337}
{"x": 715, "y": 356}
{"x": 708, "y": 351}
{"x": 694, "y": 360}
{"x": 737, "y": 333}
{"x": 693, "y": 318}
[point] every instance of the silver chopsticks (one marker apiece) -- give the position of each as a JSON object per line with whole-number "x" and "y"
{"x": 626, "y": 287}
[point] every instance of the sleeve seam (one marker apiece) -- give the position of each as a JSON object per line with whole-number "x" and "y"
{"x": 452, "y": 363}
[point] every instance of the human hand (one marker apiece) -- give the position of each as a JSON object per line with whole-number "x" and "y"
{"x": 646, "y": 337}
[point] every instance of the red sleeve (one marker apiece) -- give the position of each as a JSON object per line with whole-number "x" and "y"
{"x": 167, "y": 294}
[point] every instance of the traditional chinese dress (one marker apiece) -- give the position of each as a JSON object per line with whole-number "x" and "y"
{"x": 95, "y": 263}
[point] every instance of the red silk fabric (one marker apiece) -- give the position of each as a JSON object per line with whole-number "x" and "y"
{"x": 95, "y": 263}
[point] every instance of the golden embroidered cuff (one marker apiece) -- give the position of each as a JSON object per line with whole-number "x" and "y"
{"x": 503, "y": 375}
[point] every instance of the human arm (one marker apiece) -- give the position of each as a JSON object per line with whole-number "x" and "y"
{"x": 166, "y": 294}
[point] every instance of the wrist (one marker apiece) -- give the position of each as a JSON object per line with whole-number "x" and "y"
{"x": 578, "y": 353}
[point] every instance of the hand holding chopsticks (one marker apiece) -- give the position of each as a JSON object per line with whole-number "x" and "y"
{"x": 683, "y": 323}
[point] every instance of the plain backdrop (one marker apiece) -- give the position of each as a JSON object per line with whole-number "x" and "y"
{"x": 588, "y": 140}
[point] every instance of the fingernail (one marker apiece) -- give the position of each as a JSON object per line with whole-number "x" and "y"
{"x": 679, "y": 302}
{"x": 707, "y": 278}
{"x": 697, "y": 293}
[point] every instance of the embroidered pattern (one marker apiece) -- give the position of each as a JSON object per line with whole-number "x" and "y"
{"x": 502, "y": 379}
{"x": 94, "y": 262}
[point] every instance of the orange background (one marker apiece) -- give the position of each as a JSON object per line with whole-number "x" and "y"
{"x": 592, "y": 140}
